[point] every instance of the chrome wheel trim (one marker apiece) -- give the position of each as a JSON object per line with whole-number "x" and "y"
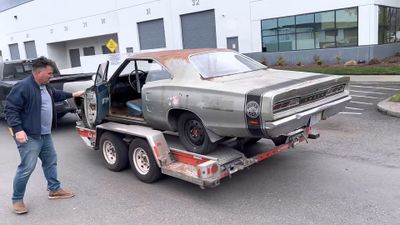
{"x": 141, "y": 161}
{"x": 109, "y": 152}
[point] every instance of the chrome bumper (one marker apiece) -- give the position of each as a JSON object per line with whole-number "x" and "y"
{"x": 298, "y": 120}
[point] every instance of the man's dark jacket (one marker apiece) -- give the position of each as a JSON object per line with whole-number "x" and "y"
{"x": 23, "y": 106}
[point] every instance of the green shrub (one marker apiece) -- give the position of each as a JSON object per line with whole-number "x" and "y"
{"x": 395, "y": 98}
{"x": 280, "y": 61}
{"x": 374, "y": 61}
{"x": 338, "y": 59}
{"x": 317, "y": 60}
{"x": 264, "y": 61}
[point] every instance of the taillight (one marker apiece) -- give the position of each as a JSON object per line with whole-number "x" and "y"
{"x": 207, "y": 169}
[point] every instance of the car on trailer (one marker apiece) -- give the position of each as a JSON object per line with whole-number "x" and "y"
{"x": 198, "y": 114}
{"x": 211, "y": 95}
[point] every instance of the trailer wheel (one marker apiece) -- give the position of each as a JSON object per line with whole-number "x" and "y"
{"x": 193, "y": 134}
{"x": 114, "y": 151}
{"x": 142, "y": 161}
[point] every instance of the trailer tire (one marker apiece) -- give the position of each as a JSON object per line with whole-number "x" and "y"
{"x": 114, "y": 151}
{"x": 142, "y": 161}
{"x": 193, "y": 134}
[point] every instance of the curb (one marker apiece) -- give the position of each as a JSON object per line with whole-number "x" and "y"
{"x": 389, "y": 108}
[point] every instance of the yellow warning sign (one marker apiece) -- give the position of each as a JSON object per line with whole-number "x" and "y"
{"x": 111, "y": 45}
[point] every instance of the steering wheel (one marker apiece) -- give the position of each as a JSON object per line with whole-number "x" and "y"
{"x": 133, "y": 83}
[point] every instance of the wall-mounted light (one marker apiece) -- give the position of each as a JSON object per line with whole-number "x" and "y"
{"x": 15, "y": 17}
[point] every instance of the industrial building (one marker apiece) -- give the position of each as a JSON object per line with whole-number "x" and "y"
{"x": 67, "y": 30}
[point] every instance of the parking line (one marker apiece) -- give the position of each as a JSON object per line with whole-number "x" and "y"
{"x": 361, "y": 103}
{"x": 350, "y": 113}
{"x": 369, "y": 92}
{"x": 352, "y": 108}
{"x": 362, "y": 96}
{"x": 372, "y": 87}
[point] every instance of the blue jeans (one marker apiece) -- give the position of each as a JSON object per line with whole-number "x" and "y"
{"x": 37, "y": 147}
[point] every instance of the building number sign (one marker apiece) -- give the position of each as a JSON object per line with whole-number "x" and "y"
{"x": 195, "y": 2}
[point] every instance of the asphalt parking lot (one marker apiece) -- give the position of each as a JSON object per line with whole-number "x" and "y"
{"x": 351, "y": 175}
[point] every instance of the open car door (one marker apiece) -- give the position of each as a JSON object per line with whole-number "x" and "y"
{"x": 97, "y": 99}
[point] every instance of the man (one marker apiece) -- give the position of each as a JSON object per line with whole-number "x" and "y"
{"x": 29, "y": 113}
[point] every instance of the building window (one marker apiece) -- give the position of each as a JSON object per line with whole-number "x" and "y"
{"x": 330, "y": 29}
{"x": 389, "y": 25}
{"x": 105, "y": 50}
{"x": 129, "y": 49}
{"x": 88, "y": 51}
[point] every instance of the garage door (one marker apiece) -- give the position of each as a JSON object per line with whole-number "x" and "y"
{"x": 198, "y": 30}
{"x": 151, "y": 34}
{"x": 30, "y": 49}
{"x": 75, "y": 57}
{"x": 14, "y": 52}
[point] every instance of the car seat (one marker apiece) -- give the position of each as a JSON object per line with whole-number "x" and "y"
{"x": 134, "y": 107}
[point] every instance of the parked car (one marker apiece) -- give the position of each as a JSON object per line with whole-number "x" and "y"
{"x": 208, "y": 95}
{"x": 13, "y": 71}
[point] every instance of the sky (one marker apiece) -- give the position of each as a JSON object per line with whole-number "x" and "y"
{"x": 6, "y": 4}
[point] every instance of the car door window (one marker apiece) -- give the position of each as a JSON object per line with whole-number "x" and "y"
{"x": 157, "y": 73}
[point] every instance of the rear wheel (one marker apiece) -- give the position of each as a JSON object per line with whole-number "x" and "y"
{"x": 142, "y": 161}
{"x": 251, "y": 141}
{"x": 279, "y": 140}
{"x": 193, "y": 134}
{"x": 114, "y": 151}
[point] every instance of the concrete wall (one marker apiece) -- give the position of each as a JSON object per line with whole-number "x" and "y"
{"x": 328, "y": 56}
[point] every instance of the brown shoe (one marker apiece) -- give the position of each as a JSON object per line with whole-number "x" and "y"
{"x": 60, "y": 194}
{"x": 19, "y": 207}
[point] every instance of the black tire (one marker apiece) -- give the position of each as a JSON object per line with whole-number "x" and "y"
{"x": 142, "y": 161}
{"x": 279, "y": 140}
{"x": 60, "y": 115}
{"x": 251, "y": 141}
{"x": 114, "y": 151}
{"x": 193, "y": 134}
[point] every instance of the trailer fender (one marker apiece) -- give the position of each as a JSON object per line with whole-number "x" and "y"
{"x": 154, "y": 138}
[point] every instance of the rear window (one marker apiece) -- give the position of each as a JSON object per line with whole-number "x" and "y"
{"x": 17, "y": 71}
{"x": 216, "y": 64}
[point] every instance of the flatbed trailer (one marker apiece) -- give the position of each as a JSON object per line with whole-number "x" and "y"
{"x": 152, "y": 153}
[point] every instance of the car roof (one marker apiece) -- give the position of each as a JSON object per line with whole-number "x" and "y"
{"x": 183, "y": 54}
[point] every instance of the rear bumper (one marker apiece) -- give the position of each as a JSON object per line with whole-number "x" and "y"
{"x": 303, "y": 119}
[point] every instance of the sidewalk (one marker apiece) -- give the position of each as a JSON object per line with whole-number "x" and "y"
{"x": 385, "y": 106}
{"x": 376, "y": 78}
